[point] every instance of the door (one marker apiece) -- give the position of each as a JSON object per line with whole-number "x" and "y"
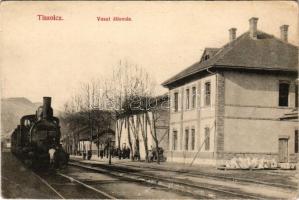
{"x": 283, "y": 150}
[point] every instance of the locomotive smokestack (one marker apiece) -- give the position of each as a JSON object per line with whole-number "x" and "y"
{"x": 47, "y": 110}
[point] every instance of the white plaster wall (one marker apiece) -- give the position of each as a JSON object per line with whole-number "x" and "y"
{"x": 257, "y": 136}
{"x": 210, "y": 123}
{"x": 189, "y": 125}
{"x": 199, "y": 118}
{"x": 251, "y": 89}
{"x": 252, "y": 112}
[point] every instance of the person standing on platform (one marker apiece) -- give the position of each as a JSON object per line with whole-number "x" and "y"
{"x": 51, "y": 154}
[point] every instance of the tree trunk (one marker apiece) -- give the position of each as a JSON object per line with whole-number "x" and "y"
{"x": 156, "y": 138}
{"x": 91, "y": 130}
{"x": 135, "y": 130}
{"x": 109, "y": 145}
{"x": 118, "y": 136}
{"x": 119, "y": 131}
{"x": 154, "y": 133}
{"x": 129, "y": 138}
{"x": 137, "y": 149}
{"x": 157, "y": 151}
{"x": 75, "y": 144}
{"x": 144, "y": 135}
{"x": 98, "y": 143}
{"x": 146, "y": 150}
{"x": 79, "y": 148}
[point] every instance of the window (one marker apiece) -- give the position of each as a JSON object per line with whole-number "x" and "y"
{"x": 296, "y": 96}
{"x": 193, "y": 97}
{"x": 283, "y": 94}
{"x": 176, "y": 102}
{"x": 187, "y": 98}
{"x": 186, "y": 139}
{"x": 174, "y": 140}
{"x": 192, "y": 139}
{"x": 207, "y": 138}
{"x": 296, "y": 141}
{"x": 207, "y": 93}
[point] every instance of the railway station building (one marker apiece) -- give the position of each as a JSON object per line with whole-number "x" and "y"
{"x": 239, "y": 100}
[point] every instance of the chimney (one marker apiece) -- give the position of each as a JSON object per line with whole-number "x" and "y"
{"x": 284, "y": 32}
{"x": 232, "y": 34}
{"x": 253, "y": 27}
{"x": 47, "y": 110}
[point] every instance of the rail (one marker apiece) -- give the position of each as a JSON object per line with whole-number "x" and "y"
{"x": 182, "y": 186}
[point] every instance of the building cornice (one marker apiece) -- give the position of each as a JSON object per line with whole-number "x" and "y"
{"x": 218, "y": 68}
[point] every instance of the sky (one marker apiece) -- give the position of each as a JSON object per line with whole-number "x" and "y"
{"x": 51, "y": 58}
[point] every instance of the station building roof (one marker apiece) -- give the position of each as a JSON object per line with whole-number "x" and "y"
{"x": 266, "y": 52}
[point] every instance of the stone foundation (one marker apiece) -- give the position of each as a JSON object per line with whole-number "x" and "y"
{"x": 202, "y": 158}
{"x": 218, "y": 159}
{"x": 230, "y": 155}
{"x": 222, "y": 157}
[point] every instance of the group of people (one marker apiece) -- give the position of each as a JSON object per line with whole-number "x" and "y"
{"x": 89, "y": 153}
{"x": 154, "y": 153}
{"x": 116, "y": 152}
{"x": 124, "y": 153}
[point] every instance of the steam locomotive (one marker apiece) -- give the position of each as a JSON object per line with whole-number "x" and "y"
{"x": 35, "y": 135}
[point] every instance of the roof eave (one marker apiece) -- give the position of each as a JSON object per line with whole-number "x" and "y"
{"x": 168, "y": 82}
{"x": 255, "y": 68}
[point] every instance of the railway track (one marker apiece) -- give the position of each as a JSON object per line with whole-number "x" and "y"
{"x": 200, "y": 174}
{"x": 67, "y": 186}
{"x": 69, "y": 179}
{"x": 49, "y": 186}
{"x": 78, "y": 183}
{"x": 208, "y": 191}
{"x": 108, "y": 196}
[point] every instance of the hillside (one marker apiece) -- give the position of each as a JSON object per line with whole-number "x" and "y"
{"x": 12, "y": 109}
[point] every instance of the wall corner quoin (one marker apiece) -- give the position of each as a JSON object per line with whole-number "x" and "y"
{"x": 219, "y": 112}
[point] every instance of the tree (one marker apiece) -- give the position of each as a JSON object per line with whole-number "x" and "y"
{"x": 81, "y": 110}
{"x": 135, "y": 126}
{"x": 128, "y": 83}
{"x": 153, "y": 116}
{"x": 143, "y": 123}
{"x": 121, "y": 93}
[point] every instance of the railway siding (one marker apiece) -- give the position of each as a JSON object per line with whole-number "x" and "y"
{"x": 277, "y": 178}
{"x": 193, "y": 183}
{"x": 245, "y": 179}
